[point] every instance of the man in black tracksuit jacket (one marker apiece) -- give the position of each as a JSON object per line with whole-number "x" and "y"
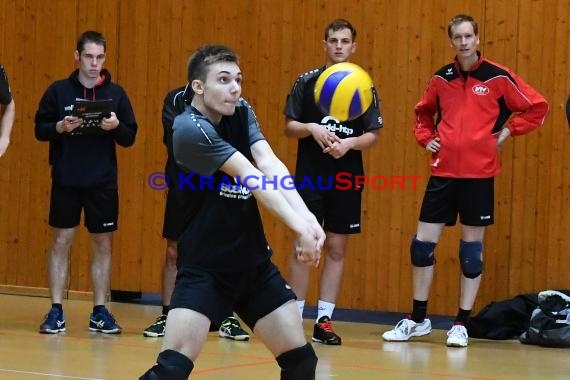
{"x": 84, "y": 174}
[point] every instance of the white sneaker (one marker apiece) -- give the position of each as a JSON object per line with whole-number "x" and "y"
{"x": 457, "y": 336}
{"x": 405, "y": 329}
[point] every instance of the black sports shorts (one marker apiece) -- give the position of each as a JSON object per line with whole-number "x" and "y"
{"x": 251, "y": 294}
{"x": 471, "y": 198}
{"x": 337, "y": 210}
{"x": 100, "y": 206}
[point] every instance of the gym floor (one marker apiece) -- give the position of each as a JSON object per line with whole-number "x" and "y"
{"x": 80, "y": 354}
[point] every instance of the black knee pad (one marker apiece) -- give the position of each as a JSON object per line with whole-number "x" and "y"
{"x": 471, "y": 258}
{"x": 422, "y": 253}
{"x": 298, "y": 364}
{"x": 170, "y": 365}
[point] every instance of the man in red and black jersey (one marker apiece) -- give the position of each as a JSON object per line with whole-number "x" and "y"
{"x": 327, "y": 147}
{"x": 463, "y": 118}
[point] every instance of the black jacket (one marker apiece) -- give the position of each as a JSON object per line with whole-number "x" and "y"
{"x": 84, "y": 160}
{"x": 173, "y": 106}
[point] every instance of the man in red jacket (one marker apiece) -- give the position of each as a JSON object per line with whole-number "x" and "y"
{"x": 463, "y": 118}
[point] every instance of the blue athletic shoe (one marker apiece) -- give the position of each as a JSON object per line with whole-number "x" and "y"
{"x": 104, "y": 322}
{"x": 54, "y": 322}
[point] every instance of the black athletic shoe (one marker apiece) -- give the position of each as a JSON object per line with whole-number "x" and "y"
{"x": 231, "y": 329}
{"x": 158, "y": 328}
{"x": 323, "y": 332}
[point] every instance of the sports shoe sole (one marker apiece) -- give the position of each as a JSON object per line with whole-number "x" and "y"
{"x": 327, "y": 342}
{"x": 151, "y": 334}
{"x": 423, "y": 333}
{"x": 456, "y": 344}
{"x": 50, "y": 331}
{"x": 241, "y": 338}
{"x": 112, "y": 331}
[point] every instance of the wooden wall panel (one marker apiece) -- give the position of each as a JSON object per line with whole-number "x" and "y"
{"x": 558, "y": 265}
{"x": 401, "y": 44}
{"x": 498, "y": 36}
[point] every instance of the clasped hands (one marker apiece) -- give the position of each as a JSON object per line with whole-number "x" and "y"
{"x": 328, "y": 141}
{"x": 309, "y": 244}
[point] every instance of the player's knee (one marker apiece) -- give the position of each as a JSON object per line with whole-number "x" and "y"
{"x": 336, "y": 254}
{"x": 298, "y": 364}
{"x": 422, "y": 253}
{"x": 170, "y": 365}
{"x": 471, "y": 258}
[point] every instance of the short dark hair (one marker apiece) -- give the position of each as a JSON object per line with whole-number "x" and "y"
{"x": 91, "y": 36}
{"x": 205, "y": 56}
{"x": 456, "y": 20}
{"x": 340, "y": 24}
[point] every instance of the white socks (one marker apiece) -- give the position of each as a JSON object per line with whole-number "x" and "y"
{"x": 301, "y": 306}
{"x": 325, "y": 308}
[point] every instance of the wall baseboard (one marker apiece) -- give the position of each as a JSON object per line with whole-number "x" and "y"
{"x": 44, "y": 292}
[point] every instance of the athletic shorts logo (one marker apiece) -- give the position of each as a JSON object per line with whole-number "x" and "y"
{"x": 480, "y": 89}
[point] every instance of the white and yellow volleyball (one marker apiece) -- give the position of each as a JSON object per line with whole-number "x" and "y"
{"x": 344, "y": 91}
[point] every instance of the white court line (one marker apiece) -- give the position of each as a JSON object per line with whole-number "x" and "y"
{"x": 48, "y": 374}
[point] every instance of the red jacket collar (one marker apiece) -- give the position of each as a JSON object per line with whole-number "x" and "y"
{"x": 475, "y": 65}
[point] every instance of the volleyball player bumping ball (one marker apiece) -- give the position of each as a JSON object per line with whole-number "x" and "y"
{"x": 224, "y": 260}
{"x": 334, "y": 114}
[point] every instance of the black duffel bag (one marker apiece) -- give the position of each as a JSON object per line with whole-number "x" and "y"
{"x": 550, "y": 321}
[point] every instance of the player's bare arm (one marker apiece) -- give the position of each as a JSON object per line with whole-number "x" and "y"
{"x": 310, "y": 238}
{"x": 270, "y": 165}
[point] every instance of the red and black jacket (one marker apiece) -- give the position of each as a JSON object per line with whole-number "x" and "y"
{"x": 468, "y": 110}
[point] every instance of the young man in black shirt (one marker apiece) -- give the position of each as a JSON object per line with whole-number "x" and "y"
{"x": 327, "y": 147}
{"x": 84, "y": 175}
{"x": 180, "y": 206}
{"x": 224, "y": 260}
